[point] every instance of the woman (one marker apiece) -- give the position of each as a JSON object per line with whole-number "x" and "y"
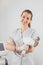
{"x": 16, "y": 40}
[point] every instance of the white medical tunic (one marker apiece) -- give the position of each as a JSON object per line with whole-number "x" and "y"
{"x": 17, "y": 35}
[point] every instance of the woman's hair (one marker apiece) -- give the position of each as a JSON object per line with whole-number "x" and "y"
{"x": 29, "y": 12}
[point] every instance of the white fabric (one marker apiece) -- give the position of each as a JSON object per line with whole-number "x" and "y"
{"x": 27, "y": 59}
{"x": 28, "y": 41}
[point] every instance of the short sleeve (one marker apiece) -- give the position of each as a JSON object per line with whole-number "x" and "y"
{"x": 35, "y": 36}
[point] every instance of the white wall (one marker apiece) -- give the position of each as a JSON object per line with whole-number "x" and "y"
{"x": 10, "y": 11}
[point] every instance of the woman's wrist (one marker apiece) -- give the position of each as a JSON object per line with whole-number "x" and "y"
{"x": 17, "y": 49}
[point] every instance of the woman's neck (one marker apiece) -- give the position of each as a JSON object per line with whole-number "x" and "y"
{"x": 23, "y": 28}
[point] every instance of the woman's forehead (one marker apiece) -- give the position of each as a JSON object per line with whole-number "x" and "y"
{"x": 26, "y": 14}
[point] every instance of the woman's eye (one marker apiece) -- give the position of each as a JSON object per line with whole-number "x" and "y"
{"x": 23, "y": 16}
{"x": 27, "y": 18}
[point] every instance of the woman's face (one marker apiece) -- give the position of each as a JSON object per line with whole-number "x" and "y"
{"x": 26, "y": 18}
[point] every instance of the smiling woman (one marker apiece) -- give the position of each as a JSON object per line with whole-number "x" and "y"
{"x": 15, "y": 42}
{"x": 29, "y": 17}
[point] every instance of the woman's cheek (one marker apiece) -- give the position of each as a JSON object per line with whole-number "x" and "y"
{"x": 21, "y": 19}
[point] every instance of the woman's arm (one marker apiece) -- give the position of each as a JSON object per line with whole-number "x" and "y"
{"x": 30, "y": 48}
{"x": 11, "y": 46}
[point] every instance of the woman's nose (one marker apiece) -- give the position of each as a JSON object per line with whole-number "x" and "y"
{"x": 25, "y": 20}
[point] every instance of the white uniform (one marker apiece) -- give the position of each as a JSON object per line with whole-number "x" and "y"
{"x": 27, "y": 59}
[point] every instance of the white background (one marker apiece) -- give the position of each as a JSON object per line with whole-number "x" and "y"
{"x": 10, "y": 11}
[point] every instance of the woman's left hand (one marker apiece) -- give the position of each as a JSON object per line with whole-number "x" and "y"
{"x": 30, "y": 49}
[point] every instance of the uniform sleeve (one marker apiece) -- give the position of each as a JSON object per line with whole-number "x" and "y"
{"x": 35, "y": 36}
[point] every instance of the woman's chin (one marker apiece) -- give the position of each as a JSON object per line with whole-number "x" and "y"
{"x": 24, "y": 24}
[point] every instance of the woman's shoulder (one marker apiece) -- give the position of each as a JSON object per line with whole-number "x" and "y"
{"x": 14, "y": 33}
{"x": 35, "y": 34}
{"x": 31, "y": 30}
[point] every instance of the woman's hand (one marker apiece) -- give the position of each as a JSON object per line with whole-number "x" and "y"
{"x": 18, "y": 49}
{"x": 30, "y": 49}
